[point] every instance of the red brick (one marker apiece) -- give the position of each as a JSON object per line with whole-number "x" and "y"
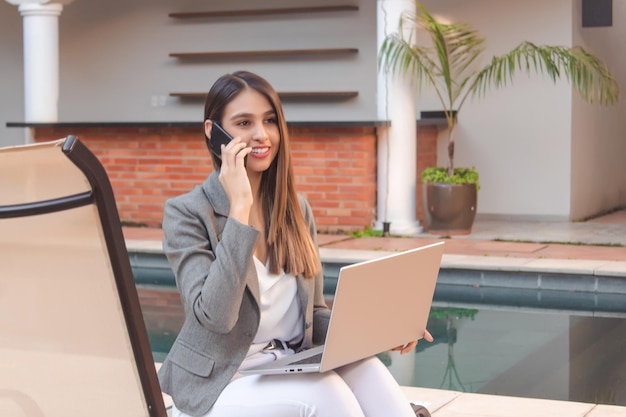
{"x": 335, "y": 168}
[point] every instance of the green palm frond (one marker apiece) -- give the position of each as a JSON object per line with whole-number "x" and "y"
{"x": 456, "y": 46}
{"x": 588, "y": 75}
{"x": 446, "y": 63}
{"x": 449, "y": 62}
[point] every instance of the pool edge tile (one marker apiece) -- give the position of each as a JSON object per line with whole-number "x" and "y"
{"x": 486, "y": 405}
{"x": 602, "y": 410}
{"x": 431, "y": 398}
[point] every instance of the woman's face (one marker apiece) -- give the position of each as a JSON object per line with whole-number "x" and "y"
{"x": 251, "y": 116}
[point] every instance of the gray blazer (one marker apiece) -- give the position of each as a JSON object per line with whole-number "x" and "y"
{"x": 211, "y": 256}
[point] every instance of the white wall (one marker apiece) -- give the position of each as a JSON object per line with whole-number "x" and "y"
{"x": 11, "y": 74}
{"x": 115, "y": 63}
{"x": 599, "y": 133}
{"x": 518, "y": 137}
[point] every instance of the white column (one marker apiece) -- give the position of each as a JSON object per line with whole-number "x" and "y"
{"x": 397, "y": 144}
{"x": 41, "y": 61}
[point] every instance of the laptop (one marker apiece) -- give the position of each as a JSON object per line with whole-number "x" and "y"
{"x": 379, "y": 304}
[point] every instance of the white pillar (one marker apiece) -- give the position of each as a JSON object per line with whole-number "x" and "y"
{"x": 41, "y": 61}
{"x": 397, "y": 144}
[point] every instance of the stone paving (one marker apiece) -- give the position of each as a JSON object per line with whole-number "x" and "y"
{"x": 603, "y": 238}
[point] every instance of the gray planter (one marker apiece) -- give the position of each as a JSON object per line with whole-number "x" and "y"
{"x": 449, "y": 209}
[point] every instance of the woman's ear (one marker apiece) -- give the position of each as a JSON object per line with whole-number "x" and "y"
{"x": 208, "y": 125}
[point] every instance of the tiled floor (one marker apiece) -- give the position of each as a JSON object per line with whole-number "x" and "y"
{"x": 476, "y": 247}
{"x": 603, "y": 238}
{"x": 443, "y": 403}
{"x": 456, "y": 404}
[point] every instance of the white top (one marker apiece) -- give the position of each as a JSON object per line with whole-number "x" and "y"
{"x": 281, "y": 315}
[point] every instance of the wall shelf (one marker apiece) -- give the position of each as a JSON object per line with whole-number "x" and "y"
{"x": 296, "y": 53}
{"x": 260, "y": 12}
{"x": 318, "y": 94}
{"x": 302, "y": 95}
{"x": 275, "y": 52}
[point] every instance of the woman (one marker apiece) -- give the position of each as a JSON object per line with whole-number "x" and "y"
{"x": 242, "y": 247}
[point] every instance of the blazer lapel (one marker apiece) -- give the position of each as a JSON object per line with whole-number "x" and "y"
{"x": 252, "y": 281}
{"x": 219, "y": 201}
{"x": 304, "y": 289}
{"x": 216, "y": 195}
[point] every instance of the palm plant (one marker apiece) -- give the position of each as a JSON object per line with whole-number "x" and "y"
{"x": 450, "y": 64}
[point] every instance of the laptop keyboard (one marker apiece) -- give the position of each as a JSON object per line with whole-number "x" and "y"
{"x": 311, "y": 359}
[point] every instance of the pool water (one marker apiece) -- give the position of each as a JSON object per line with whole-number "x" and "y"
{"x": 551, "y": 354}
{"x": 523, "y": 353}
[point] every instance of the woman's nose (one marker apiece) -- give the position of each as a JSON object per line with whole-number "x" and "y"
{"x": 260, "y": 132}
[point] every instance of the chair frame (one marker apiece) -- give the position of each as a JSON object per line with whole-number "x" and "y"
{"x": 102, "y": 196}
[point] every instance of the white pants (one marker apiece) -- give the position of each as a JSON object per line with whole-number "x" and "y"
{"x": 362, "y": 389}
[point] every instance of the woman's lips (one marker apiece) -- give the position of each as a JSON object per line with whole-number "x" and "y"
{"x": 261, "y": 152}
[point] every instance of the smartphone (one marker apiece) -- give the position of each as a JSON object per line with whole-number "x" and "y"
{"x": 219, "y": 137}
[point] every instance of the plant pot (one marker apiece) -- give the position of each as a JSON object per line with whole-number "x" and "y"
{"x": 449, "y": 209}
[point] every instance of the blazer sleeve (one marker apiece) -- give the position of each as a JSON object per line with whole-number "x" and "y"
{"x": 210, "y": 263}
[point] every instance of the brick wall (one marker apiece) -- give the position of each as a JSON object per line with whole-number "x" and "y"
{"x": 426, "y": 157}
{"x": 335, "y": 169}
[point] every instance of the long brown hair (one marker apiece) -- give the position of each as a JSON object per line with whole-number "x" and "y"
{"x": 290, "y": 245}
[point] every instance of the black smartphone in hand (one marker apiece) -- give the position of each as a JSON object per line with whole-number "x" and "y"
{"x": 219, "y": 137}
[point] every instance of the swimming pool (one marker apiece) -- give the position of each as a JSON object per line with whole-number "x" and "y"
{"x": 524, "y": 353}
{"x": 507, "y": 349}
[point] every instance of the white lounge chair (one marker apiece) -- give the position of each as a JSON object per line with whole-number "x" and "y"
{"x": 73, "y": 342}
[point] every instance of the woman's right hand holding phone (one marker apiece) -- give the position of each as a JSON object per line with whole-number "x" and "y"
{"x": 234, "y": 179}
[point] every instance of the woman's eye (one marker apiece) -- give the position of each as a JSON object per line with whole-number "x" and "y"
{"x": 243, "y": 123}
{"x": 271, "y": 120}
